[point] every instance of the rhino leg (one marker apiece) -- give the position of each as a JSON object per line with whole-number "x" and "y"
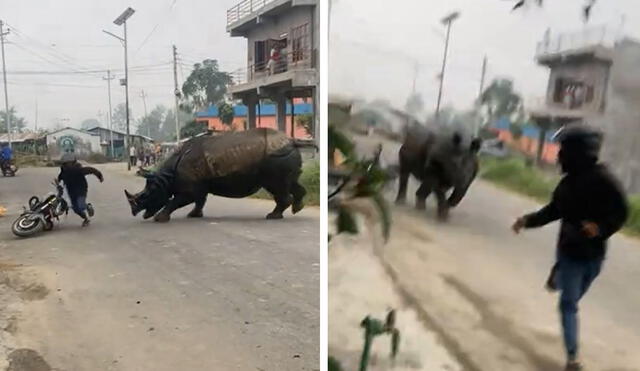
{"x": 401, "y": 198}
{"x": 443, "y": 204}
{"x": 422, "y": 193}
{"x": 298, "y": 192}
{"x": 283, "y": 201}
{"x": 197, "y": 209}
{"x": 178, "y": 201}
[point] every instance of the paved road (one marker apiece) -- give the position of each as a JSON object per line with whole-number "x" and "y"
{"x": 231, "y": 291}
{"x": 481, "y": 286}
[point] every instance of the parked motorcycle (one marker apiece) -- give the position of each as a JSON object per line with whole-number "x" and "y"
{"x": 8, "y": 168}
{"x": 41, "y": 213}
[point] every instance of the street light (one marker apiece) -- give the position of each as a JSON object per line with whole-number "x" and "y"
{"x": 447, "y": 21}
{"x": 122, "y": 21}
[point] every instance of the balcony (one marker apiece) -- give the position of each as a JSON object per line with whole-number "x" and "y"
{"x": 246, "y": 14}
{"x": 596, "y": 42}
{"x": 295, "y": 69}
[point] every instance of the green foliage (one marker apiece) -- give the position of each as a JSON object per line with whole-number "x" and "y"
{"x": 119, "y": 117}
{"x": 152, "y": 123}
{"x": 309, "y": 179}
{"x": 305, "y": 121}
{"x": 192, "y": 128}
{"x": 514, "y": 174}
{"x": 225, "y": 112}
{"x": 206, "y": 85}
{"x": 500, "y": 100}
{"x": 17, "y": 123}
{"x": 334, "y": 365}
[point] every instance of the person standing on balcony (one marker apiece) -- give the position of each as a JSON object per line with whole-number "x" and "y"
{"x": 274, "y": 58}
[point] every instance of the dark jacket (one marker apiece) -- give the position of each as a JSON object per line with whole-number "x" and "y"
{"x": 593, "y": 195}
{"x": 73, "y": 177}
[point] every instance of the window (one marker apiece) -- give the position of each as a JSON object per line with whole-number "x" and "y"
{"x": 572, "y": 94}
{"x": 300, "y": 43}
{"x": 260, "y": 56}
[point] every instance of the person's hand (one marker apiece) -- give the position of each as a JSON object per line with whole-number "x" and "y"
{"x": 591, "y": 229}
{"x": 518, "y": 225}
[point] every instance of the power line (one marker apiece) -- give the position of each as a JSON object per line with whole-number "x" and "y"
{"x": 153, "y": 30}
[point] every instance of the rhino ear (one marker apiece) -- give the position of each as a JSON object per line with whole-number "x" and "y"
{"x": 475, "y": 145}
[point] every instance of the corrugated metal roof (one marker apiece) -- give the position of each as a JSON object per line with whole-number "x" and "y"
{"x": 19, "y": 137}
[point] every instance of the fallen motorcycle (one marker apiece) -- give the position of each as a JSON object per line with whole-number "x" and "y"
{"x": 8, "y": 169}
{"x": 41, "y": 213}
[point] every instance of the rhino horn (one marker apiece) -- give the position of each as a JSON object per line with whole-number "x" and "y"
{"x": 131, "y": 198}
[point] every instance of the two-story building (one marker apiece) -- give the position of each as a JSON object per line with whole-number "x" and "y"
{"x": 282, "y": 55}
{"x": 594, "y": 80}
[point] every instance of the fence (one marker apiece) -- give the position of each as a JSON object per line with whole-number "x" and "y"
{"x": 295, "y": 59}
{"x": 245, "y": 8}
{"x": 597, "y": 36}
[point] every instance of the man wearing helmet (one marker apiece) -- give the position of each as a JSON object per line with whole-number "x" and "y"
{"x": 592, "y": 206}
{"x": 73, "y": 175}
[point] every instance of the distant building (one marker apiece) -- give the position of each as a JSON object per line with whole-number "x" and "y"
{"x": 70, "y": 140}
{"x": 33, "y": 143}
{"x": 265, "y": 118}
{"x": 139, "y": 141}
{"x": 594, "y": 80}
{"x": 288, "y": 31}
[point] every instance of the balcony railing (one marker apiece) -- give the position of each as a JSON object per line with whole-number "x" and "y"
{"x": 597, "y": 36}
{"x": 294, "y": 60}
{"x": 244, "y": 9}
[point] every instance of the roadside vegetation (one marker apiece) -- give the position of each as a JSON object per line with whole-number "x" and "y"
{"x": 310, "y": 180}
{"x": 515, "y": 175}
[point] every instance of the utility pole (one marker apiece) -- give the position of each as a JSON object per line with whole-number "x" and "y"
{"x": 4, "y": 75}
{"x": 448, "y": 20}
{"x": 36, "y": 120}
{"x": 122, "y": 21}
{"x": 479, "y": 103}
{"x": 109, "y": 78}
{"x": 144, "y": 102}
{"x": 176, "y": 91}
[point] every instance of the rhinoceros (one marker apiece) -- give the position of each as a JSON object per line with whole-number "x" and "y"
{"x": 440, "y": 159}
{"x": 234, "y": 165}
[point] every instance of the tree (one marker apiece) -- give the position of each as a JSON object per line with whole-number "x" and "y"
{"x": 305, "y": 121}
{"x": 89, "y": 124}
{"x": 152, "y": 123}
{"x": 168, "y": 128}
{"x": 225, "y": 112}
{"x": 193, "y": 128}
{"x": 17, "y": 123}
{"x": 119, "y": 117}
{"x": 500, "y": 100}
{"x": 206, "y": 85}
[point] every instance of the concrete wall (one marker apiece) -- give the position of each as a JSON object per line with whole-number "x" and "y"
{"x": 593, "y": 73}
{"x": 238, "y": 124}
{"x": 274, "y": 27}
{"x": 621, "y": 121}
{"x": 72, "y": 140}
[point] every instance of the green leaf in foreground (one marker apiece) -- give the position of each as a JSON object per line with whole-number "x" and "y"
{"x": 346, "y": 222}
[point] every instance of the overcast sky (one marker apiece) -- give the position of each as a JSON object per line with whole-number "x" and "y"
{"x": 375, "y": 45}
{"x": 67, "y": 35}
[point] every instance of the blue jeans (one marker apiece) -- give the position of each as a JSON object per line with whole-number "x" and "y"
{"x": 79, "y": 205}
{"x": 573, "y": 279}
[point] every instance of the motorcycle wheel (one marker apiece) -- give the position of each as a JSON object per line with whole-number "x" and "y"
{"x": 24, "y": 227}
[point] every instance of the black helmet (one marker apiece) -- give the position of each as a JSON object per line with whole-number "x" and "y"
{"x": 580, "y": 140}
{"x": 68, "y": 157}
